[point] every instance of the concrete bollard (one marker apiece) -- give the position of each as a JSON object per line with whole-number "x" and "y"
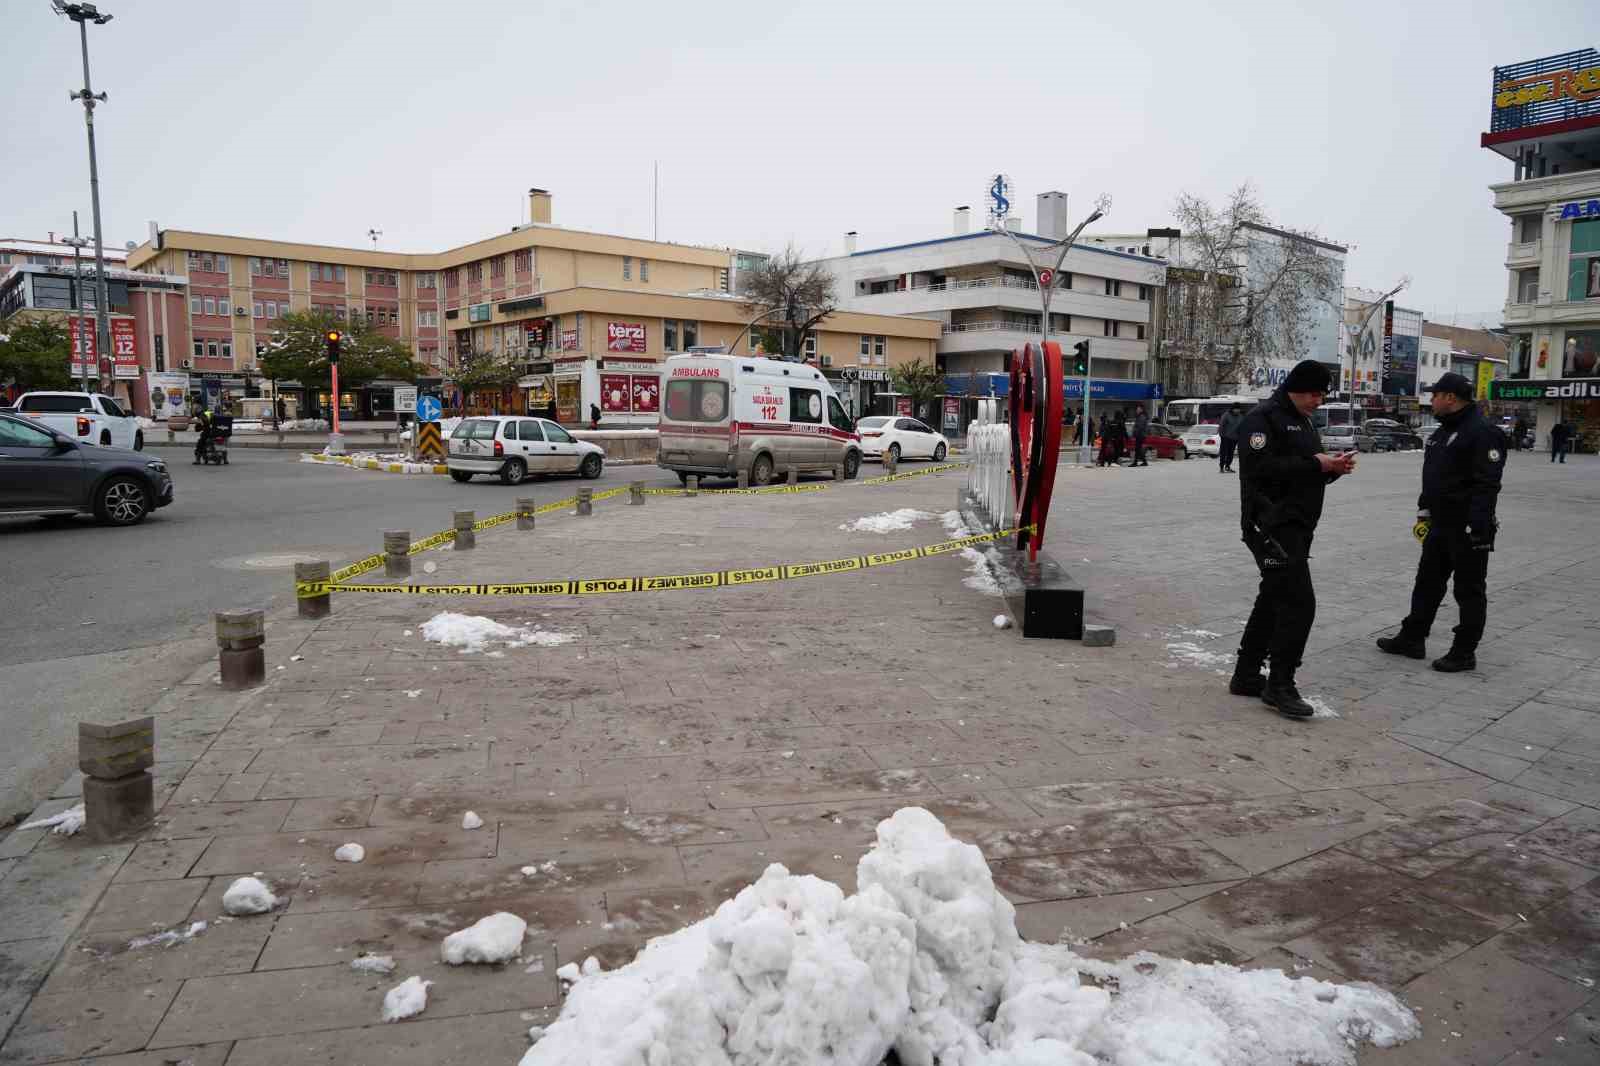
{"x": 890, "y": 463}
{"x": 525, "y": 513}
{"x": 397, "y": 552}
{"x": 313, "y": 606}
{"x": 172, "y": 437}
{"x": 240, "y": 636}
{"x": 838, "y": 472}
{"x": 466, "y": 537}
{"x": 691, "y": 485}
{"x": 793, "y": 478}
{"x": 635, "y": 494}
{"x": 585, "y": 503}
{"x": 744, "y": 479}
{"x": 118, "y": 791}
{"x": 1099, "y": 636}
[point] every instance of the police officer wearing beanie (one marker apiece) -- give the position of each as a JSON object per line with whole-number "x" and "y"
{"x": 1461, "y": 471}
{"x": 1283, "y": 475}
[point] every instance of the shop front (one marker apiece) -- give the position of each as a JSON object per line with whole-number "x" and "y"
{"x": 1575, "y": 401}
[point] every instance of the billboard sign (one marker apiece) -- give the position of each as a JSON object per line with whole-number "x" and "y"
{"x": 86, "y": 348}
{"x": 1556, "y": 88}
{"x": 1558, "y": 389}
{"x": 169, "y": 394}
{"x": 624, "y": 336}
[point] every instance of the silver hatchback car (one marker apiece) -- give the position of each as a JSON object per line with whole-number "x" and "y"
{"x": 515, "y": 447}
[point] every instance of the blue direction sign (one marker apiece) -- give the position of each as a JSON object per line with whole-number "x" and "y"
{"x": 428, "y": 409}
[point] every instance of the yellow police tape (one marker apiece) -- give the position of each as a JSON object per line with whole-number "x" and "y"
{"x": 658, "y": 583}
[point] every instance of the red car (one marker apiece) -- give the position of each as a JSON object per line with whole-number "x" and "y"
{"x": 1162, "y": 442}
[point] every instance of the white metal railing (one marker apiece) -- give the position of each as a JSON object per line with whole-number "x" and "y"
{"x": 991, "y": 326}
{"x": 989, "y": 475}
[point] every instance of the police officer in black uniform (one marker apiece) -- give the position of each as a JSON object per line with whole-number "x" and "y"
{"x": 1455, "y": 516}
{"x": 1282, "y": 478}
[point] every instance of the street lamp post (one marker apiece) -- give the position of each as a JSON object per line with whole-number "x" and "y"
{"x": 1047, "y": 286}
{"x": 83, "y": 14}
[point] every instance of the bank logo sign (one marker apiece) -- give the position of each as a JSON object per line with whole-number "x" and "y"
{"x": 1560, "y": 389}
{"x": 1576, "y": 209}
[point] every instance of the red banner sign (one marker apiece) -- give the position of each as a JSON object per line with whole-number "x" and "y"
{"x": 624, "y": 336}
{"x": 616, "y": 393}
{"x": 86, "y": 347}
{"x": 646, "y": 394}
{"x": 902, "y": 405}
{"x": 124, "y": 349}
{"x": 569, "y": 340}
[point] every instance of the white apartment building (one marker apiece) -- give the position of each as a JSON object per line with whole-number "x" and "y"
{"x": 1545, "y": 119}
{"x": 985, "y": 294}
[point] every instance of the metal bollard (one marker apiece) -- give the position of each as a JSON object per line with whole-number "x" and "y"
{"x": 744, "y": 479}
{"x": 794, "y": 477}
{"x": 240, "y": 636}
{"x": 635, "y": 494}
{"x": 118, "y": 791}
{"x": 313, "y": 606}
{"x": 890, "y": 463}
{"x": 585, "y": 502}
{"x": 525, "y": 513}
{"x": 691, "y": 485}
{"x": 397, "y": 552}
{"x": 466, "y": 537}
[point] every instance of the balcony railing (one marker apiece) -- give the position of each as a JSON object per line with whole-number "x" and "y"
{"x": 991, "y": 326}
{"x": 1523, "y": 251}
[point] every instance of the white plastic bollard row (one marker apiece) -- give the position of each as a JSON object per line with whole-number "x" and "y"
{"x": 989, "y": 476}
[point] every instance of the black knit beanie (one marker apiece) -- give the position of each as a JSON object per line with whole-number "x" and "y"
{"x": 1308, "y": 375}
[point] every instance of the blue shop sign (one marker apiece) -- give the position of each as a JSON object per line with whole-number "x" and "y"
{"x": 1115, "y": 390}
{"x": 1578, "y": 209}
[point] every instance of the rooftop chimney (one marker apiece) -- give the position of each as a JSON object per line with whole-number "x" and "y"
{"x": 1014, "y": 225}
{"x": 963, "y": 218}
{"x": 850, "y": 243}
{"x": 155, "y": 234}
{"x": 538, "y": 206}
{"x": 1053, "y": 221}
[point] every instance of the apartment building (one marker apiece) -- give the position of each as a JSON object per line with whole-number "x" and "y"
{"x": 50, "y": 252}
{"x": 590, "y": 316}
{"x": 1544, "y": 118}
{"x": 984, "y": 296}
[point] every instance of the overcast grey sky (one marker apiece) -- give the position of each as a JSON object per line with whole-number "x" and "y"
{"x": 317, "y": 119}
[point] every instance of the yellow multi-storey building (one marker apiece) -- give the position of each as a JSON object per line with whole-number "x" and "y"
{"x": 590, "y": 315}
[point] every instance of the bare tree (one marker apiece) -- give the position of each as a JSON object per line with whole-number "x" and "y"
{"x": 797, "y": 294}
{"x": 1241, "y": 293}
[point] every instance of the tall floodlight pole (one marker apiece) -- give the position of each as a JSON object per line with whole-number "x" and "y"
{"x": 80, "y": 343}
{"x": 1360, "y": 320}
{"x": 1045, "y": 277}
{"x": 83, "y": 14}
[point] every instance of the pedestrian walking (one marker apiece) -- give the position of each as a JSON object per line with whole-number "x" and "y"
{"x": 1519, "y": 431}
{"x": 1141, "y": 429}
{"x": 1281, "y": 488}
{"x": 1228, "y": 432}
{"x": 1461, "y": 471}
{"x": 1560, "y": 441}
{"x": 594, "y": 416}
{"x": 1117, "y": 426}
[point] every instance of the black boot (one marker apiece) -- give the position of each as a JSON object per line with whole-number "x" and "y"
{"x": 1247, "y": 679}
{"x": 1283, "y": 697}
{"x": 1455, "y": 661}
{"x": 1403, "y": 645}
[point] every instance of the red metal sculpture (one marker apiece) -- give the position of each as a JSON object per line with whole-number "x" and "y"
{"x": 1037, "y": 398}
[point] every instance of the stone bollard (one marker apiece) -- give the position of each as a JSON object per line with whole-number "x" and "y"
{"x": 466, "y": 537}
{"x": 744, "y": 479}
{"x": 1099, "y": 636}
{"x": 525, "y": 513}
{"x": 118, "y": 791}
{"x": 172, "y": 437}
{"x": 313, "y": 606}
{"x": 838, "y": 472}
{"x": 691, "y": 485}
{"x": 793, "y": 478}
{"x": 585, "y": 503}
{"x": 635, "y": 494}
{"x": 397, "y": 552}
{"x": 240, "y": 636}
{"x": 890, "y": 463}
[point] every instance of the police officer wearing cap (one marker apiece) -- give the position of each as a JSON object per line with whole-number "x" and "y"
{"x": 1461, "y": 471}
{"x": 1283, "y": 475}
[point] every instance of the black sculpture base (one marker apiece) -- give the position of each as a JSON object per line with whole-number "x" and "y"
{"x": 1041, "y": 597}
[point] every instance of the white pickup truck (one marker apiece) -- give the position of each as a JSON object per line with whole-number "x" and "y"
{"x": 84, "y": 416}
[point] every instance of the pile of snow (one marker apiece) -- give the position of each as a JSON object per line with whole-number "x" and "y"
{"x": 888, "y": 521}
{"x": 350, "y": 853}
{"x": 980, "y": 574}
{"x": 1192, "y": 654}
{"x": 470, "y": 820}
{"x": 405, "y": 999}
{"x": 1320, "y": 707}
{"x": 248, "y": 895}
{"x": 497, "y": 938}
{"x": 925, "y": 961}
{"x": 472, "y": 633}
{"x": 955, "y": 525}
{"x": 373, "y": 964}
{"x": 167, "y": 939}
{"x": 66, "y": 823}
{"x": 306, "y": 425}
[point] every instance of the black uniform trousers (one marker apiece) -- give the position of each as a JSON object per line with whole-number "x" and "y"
{"x": 1226, "y": 458}
{"x": 1285, "y": 607}
{"x": 1138, "y": 451}
{"x": 1448, "y": 553}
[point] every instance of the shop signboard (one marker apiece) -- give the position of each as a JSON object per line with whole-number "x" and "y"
{"x": 1551, "y": 89}
{"x": 624, "y": 336}
{"x": 952, "y": 413}
{"x": 569, "y": 340}
{"x": 168, "y": 393}
{"x": 616, "y": 394}
{"x": 1555, "y": 389}
{"x": 902, "y": 406}
{"x": 646, "y": 394}
{"x": 1485, "y": 376}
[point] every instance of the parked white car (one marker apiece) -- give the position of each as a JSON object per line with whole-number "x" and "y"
{"x": 515, "y": 447}
{"x": 900, "y": 436}
{"x": 86, "y": 417}
{"x": 1203, "y": 439}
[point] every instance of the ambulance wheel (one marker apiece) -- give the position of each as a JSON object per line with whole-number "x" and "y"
{"x": 852, "y": 465}
{"x": 761, "y": 470}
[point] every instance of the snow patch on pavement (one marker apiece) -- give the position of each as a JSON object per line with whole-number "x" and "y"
{"x": 1320, "y": 708}
{"x": 497, "y": 938}
{"x": 925, "y": 960}
{"x": 473, "y": 633}
{"x": 373, "y": 964}
{"x": 983, "y": 573}
{"x": 67, "y": 823}
{"x": 408, "y": 998}
{"x": 888, "y": 521}
{"x": 350, "y": 853}
{"x": 955, "y": 525}
{"x": 248, "y": 895}
{"x": 1191, "y": 654}
{"x": 168, "y": 938}
{"x": 470, "y": 820}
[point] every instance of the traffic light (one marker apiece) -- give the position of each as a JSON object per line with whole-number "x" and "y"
{"x": 1080, "y": 358}
{"x": 334, "y": 338}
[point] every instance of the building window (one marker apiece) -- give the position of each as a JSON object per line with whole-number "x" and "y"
{"x": 524, "y": 264}
{"x": 1111, "y": 287}
{"x": 880, "y": 344}
{"x": 255, "y": 266}
{"x": 382, "y": 277}
{"x": 272, "y": 309}
{"x": 193, "y": 259}
{"x": 197, "y": 306}
{"x": 669, "y": 334}
{"x": 211, "y": 350}
{"x": 1144, "y": 292}
{"x": 627, "y": 268}
{"x": 644, "y": 270}
{"x": 724, "y": 279}
{"x": 371, "y": 316}
{"x": 452, "y": 278}
{"x": 1583, "y": 268}
{"x": 497, "y": 267}
{"x": 222, "y": 264}
{"x": 475, "y": 273}
{"x": 866, "y": 348}
{"x": 1138, "y": 332}
{"x": 283, "y": 269}
{"x": 211, "y": 305}
{"x": 227, "y": 349}
{"x": 810, "y": 346}
{"x": 427, "y": 318}
{"x": 223, "y": 306}
{"x": 425, "y": 280}
{"x": 691, "y": 335}
{"x": 1529, "y": 228}
{"x": 338, "y": 312}
{"x": 256, "y": 308}
{"x": 199, "y": 349}
{"x": 1110, "y": 329}
{"x": 1528, "y": 286}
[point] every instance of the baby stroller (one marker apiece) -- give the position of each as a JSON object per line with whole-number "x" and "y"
{"x": 216, "y": 448}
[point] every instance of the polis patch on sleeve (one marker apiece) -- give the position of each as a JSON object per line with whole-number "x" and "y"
{"x": 1494, "y": 455}
{"x": 1258, "y": 441}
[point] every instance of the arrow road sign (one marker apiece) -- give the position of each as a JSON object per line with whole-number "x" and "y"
{"x": 428, "y": 409}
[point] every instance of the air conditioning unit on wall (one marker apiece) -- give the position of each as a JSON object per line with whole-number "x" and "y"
{"x": 827, "y": 360}
{"x": 241, "y": 310}
{"x": 186, "y": 364}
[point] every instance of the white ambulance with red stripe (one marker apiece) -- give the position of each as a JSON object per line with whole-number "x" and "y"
{"x": 722, "y": 414}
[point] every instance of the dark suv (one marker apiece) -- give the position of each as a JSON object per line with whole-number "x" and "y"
{"x": 45, "y": 473}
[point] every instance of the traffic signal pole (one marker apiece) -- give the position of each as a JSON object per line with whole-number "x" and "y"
{"x": 335, "y": 438}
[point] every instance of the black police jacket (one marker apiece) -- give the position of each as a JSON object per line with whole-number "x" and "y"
{"x": 1461, "y": 470}
{"x": 1281, "y": 482}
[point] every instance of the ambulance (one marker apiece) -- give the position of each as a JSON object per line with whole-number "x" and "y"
{"x": 722, "y": 414}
